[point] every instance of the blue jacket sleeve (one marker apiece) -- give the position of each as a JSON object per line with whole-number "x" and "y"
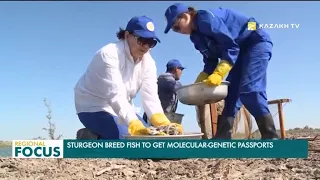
{"x": 177, "y": 85}
{"x": 213, "y": 26}
{"x": 172, "y": 85}
{"x": 168, "y": 83}
{"x": 209, "y": 65}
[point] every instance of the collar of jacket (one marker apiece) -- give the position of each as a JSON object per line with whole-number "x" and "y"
{"x": 169, "y": 74}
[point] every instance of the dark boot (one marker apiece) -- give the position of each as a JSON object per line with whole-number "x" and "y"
{"x": 145, "y": 118}
{"x": 86, "y": 134}
{"x": 266, "y": 127}
{"x": 224, "y": 128}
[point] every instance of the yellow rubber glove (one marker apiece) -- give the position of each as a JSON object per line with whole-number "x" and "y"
{"x": 161, "y": 119}
{"x": 202, "y": 76}
{"x": 137, "y": 128}
{"x": 218, "y": 74}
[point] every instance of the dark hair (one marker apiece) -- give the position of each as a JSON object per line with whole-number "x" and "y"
{"x": 121, "y": 33}
{"x": 192, "y": 11}
{"x": 170, "y": 69}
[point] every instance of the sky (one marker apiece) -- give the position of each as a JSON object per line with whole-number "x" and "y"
{"x": 46, "y": 46}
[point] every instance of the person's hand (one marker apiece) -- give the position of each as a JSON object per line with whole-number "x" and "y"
{"x": 161, "y": 119}
{"x": 213, "y": 80}
{"x": 202, "y": 76}
{"x": 218, "y": 74}
{"x": 137, "y": 128}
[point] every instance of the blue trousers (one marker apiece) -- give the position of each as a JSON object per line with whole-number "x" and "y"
{"x": 105, "y": 124}
{"x": 248, "y": 79}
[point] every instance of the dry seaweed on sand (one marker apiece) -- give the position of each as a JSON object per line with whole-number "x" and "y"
{"x": 170, "y": 129}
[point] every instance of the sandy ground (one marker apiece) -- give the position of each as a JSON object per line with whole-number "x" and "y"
{"x": 81, "y": 169}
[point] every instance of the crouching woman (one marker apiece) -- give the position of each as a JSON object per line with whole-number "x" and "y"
{"x": 104, "y": 93}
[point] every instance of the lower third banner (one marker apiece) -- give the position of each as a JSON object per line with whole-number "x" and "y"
{"x": 185, "y": 149}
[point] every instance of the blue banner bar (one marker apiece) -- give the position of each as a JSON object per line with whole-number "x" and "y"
{"x": 185, "y": 149}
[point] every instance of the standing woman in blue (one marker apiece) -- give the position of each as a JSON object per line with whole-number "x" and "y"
{"x": 244, "y": 55}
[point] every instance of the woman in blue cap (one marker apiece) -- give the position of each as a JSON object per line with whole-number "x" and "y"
{"x": 104, "y": 93}
{"x": 244, "y": 55}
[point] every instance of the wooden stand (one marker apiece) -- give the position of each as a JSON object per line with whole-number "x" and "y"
{"x": 279, "y": 102}
{"x": 204, "y": 116}
{"x": 209, "y": 126}
{"x": 214, "y": 118}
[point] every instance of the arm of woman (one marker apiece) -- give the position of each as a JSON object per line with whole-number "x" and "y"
{"x": 149, "y": 93}
{"x": 214, "y": 27}
{"x": 111, "y": 84}
{"x": 150, "y": 98}
{"x": 209, "y": 63}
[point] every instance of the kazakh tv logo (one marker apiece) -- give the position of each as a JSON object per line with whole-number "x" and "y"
{"x": 37, "y": 149}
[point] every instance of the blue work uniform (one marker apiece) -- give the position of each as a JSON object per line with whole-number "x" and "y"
{"x": 223, "y": 33}
{"x": 167, "y": 86}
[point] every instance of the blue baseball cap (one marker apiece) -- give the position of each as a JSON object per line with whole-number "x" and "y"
{"x": 174, "y": 63}
{"x": 143, "y": 27}
{"x": 173, "y": 12}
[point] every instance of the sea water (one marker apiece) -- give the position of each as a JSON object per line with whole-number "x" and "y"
{"x": 5, "y": 152}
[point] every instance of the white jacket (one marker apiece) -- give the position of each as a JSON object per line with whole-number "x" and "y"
{"x": 112, "y": 80}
